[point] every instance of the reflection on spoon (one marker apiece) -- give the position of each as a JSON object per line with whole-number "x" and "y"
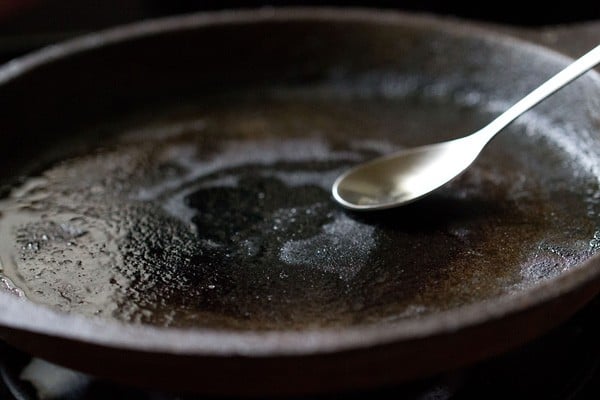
{"x": 405, "y": 176}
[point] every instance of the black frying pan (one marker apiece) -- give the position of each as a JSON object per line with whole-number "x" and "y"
{"x": 166, "y": 219}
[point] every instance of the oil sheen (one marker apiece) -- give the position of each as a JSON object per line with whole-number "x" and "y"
{"x": 218, "y": 214}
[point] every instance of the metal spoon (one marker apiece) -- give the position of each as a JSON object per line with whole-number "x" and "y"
{"x": 410, "y": 174}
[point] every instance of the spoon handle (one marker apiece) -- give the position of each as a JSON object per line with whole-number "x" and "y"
{"x": 571, "y": 72}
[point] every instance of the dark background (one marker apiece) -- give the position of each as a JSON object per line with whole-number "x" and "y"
{"x": 28, "y": 24}
{"x": 83, "y": 13}
{"x": 49, "y": 15}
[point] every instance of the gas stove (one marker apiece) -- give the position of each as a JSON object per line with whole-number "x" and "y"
{"x": 563, "y": 364}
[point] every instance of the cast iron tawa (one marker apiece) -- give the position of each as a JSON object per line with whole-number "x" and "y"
{"x": 176, "y": 229}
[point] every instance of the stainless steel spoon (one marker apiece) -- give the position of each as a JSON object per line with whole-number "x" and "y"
{"x": 408, "y": 175}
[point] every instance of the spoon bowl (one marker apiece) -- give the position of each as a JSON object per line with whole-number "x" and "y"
{"x": 405, "y": 176}
{"x": 408, "y": 175}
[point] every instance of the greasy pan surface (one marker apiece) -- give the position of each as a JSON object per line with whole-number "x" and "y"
{"x": 166, "y": 214}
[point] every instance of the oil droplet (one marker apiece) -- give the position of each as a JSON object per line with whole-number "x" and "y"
{"x": 7, "y": 285}
{"x": 595, "y": 242}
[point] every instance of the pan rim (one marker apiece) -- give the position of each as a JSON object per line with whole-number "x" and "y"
{"x": 27, "y": 316}
{"x": 19, "y": 314}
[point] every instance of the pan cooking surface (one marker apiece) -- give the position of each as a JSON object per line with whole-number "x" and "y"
{"x": 218, "y": 214}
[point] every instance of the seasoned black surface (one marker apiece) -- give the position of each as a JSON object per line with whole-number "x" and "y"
{"x": 218, "y": 214}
